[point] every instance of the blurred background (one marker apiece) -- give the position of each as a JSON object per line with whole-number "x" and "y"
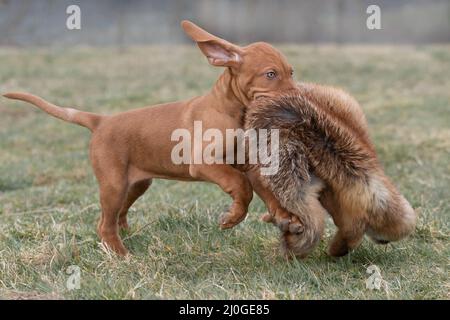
{"x": 119, "y": 23}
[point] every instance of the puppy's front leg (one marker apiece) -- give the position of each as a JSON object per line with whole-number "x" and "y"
{"x": 233, "y": 182}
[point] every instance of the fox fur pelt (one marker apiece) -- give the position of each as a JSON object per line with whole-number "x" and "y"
{"x": 327, "y": 163}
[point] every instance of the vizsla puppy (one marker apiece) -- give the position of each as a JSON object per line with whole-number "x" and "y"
{"x": 129, "y": 149}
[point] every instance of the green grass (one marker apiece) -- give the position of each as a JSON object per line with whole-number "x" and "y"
{"x": 49, "y": 202}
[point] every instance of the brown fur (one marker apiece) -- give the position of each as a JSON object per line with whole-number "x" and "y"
{"x": 129, "y": 149}
{"x": 323, "y": 135}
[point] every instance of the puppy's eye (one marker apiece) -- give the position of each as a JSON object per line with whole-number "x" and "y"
{"x": 292, "y": 73}
{"x": 271, "y": 75}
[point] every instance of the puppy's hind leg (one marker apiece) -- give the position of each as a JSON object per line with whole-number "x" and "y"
{"x": 136, "y": 190}
{"x": 112, "y": 179}
{"x": 112, "y": 199}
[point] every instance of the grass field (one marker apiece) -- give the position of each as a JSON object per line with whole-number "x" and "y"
{"x": 49, "y": 202}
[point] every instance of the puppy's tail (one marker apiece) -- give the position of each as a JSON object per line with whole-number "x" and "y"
{"x": 85, "y": 119}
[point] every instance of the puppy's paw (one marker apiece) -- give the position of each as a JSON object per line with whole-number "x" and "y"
{"x": 227, "y": 220}
{"x": 283, "y": 224}
{"x": 123, "y": 225}
{"x": 280, "y": 222}
{"x": 267, "y": 217}
{"x": 286, "y": 222}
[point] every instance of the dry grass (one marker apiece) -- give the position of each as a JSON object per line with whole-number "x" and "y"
{"x": 48, "y": 196}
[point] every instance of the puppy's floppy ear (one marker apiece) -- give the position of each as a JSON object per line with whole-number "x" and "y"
{"x": 218, "y": 51}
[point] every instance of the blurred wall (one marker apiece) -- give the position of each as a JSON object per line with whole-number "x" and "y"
{"x": 119, "y": 22}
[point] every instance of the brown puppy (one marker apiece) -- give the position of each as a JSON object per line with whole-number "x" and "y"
{"x": 129, "y": 149}
{"x": 326, "y": 155}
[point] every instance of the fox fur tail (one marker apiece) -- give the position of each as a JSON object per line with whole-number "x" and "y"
{"x": 319, "y": 152}
{"x": 85, "y": 119}
{"x": 294, "y": 185}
